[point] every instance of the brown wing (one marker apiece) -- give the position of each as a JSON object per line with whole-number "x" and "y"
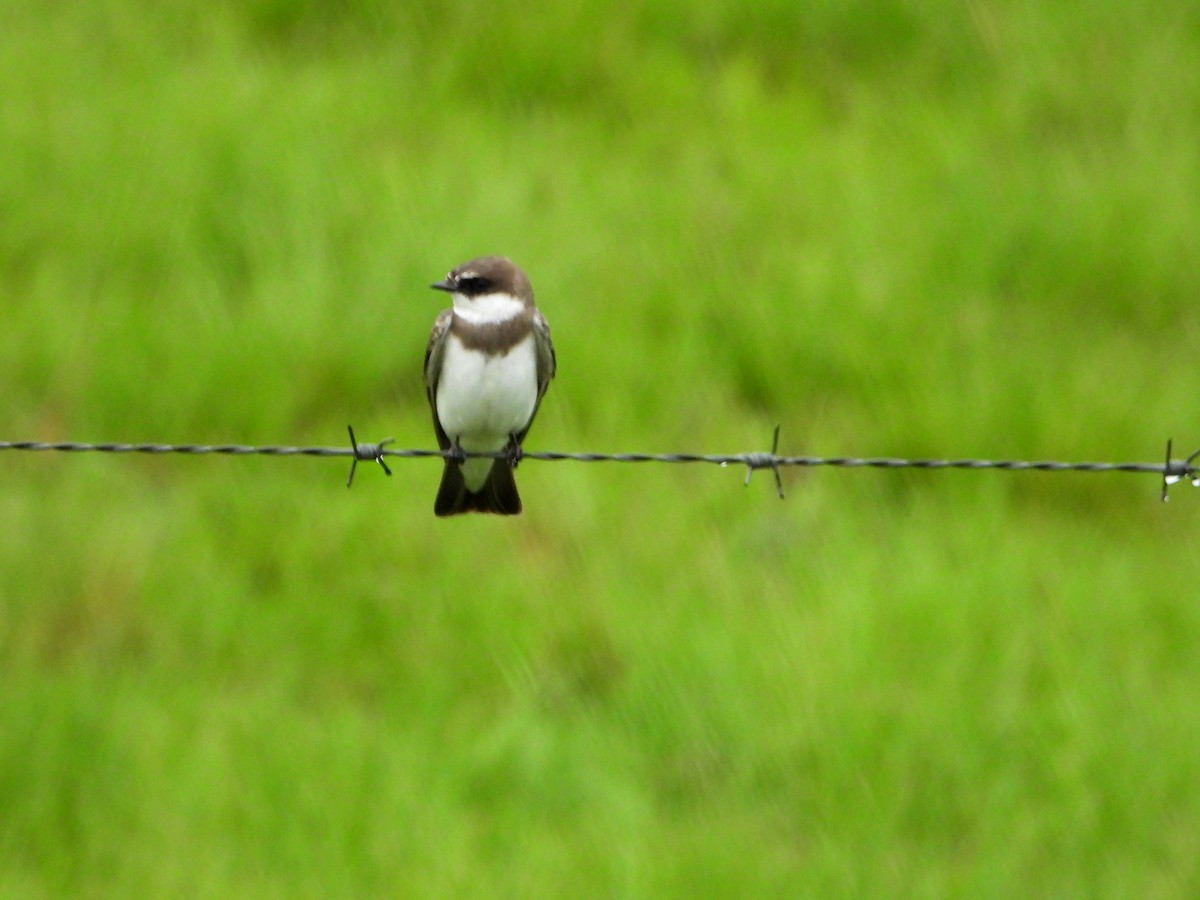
{"x": 434, "y": 353}
{"x": 546, "y": 364}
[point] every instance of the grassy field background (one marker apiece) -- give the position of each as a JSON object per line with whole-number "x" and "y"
{"x": 894, "y": 228}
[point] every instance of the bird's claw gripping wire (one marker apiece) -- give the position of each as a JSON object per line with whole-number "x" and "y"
{"x": 1175, "y": 470}
{"x": 514, "y": 452}
{"x": 367, "y": 453}
{"x": 766, "y": 461}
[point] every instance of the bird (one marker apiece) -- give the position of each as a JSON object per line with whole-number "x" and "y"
{"x": 487, "y": 367}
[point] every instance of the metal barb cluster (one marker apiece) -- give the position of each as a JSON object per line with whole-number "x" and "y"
{"x": 367, "y": 452}
{"x": 766, "y": 461}
{"x": 1175, "y": 471}
{"x": 1171, "y": 470}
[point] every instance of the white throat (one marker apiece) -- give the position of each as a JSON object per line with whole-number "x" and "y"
{"x": 487, "y": 309}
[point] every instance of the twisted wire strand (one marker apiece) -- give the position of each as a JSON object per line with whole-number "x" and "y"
{"x": 1171, "y": 470}
{"x": 755, "y": 460}
{"x": 377, "y": 452}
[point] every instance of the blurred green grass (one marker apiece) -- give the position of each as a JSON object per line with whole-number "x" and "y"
{"x": 941, "y": 229}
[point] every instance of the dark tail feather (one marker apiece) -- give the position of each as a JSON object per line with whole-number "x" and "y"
{"x": 498, "y": 494}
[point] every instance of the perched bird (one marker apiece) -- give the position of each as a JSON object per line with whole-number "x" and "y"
{"x": 488, "y": 363}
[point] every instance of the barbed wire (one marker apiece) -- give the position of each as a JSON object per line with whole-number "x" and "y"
{"x": 1171, "y": 470}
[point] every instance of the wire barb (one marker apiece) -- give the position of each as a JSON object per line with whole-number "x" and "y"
{"x": 766, "y": 461}
{"x": 367, "y": 452}
{"x": 1175, "y": 471}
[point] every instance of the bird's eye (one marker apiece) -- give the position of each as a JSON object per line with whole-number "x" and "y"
{"x": 472, "y": 284}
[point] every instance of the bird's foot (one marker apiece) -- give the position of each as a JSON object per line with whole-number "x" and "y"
{"x": 515, "y": 453}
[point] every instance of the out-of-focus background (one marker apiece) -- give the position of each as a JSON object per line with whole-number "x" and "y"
{"x": 894, "y": 228}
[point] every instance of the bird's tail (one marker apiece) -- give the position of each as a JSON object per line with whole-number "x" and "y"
{"x": 497, "y": 495}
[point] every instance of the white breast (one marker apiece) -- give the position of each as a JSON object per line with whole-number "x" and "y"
{"x": 483, "y": 399}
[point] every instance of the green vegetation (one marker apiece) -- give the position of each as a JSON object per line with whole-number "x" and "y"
{"x": 895, "y": 228}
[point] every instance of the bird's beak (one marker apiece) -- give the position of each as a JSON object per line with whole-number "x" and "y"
{"x": 444, "y": 285}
